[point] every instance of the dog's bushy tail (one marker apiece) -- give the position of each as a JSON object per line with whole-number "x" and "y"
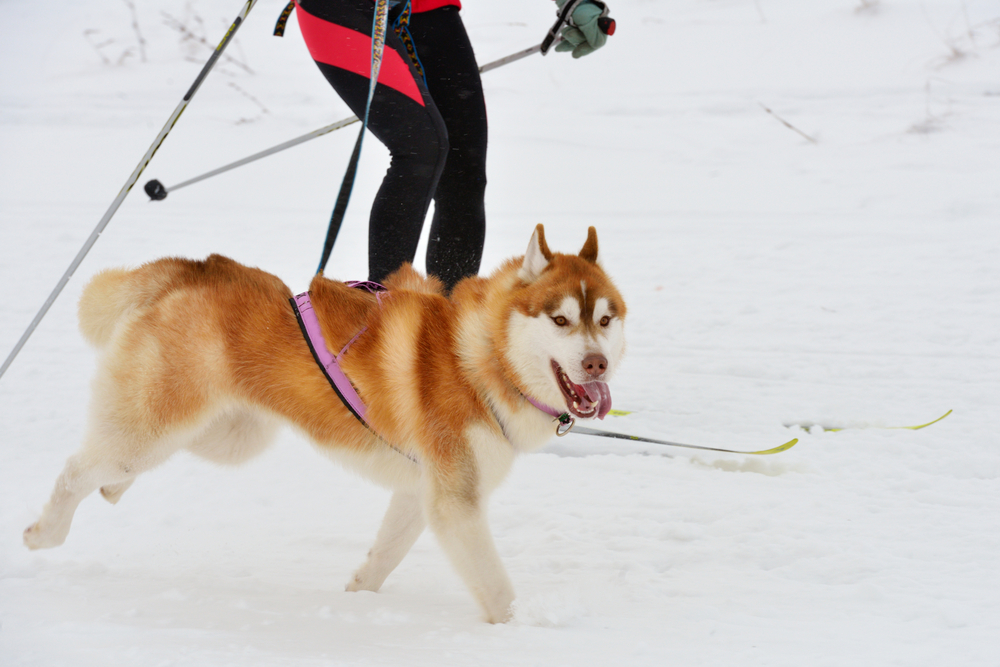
{"x": 105, "y": 300}
{"x": 113, "y": 294}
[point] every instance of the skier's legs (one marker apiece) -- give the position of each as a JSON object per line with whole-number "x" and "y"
{"x": 458, "y": 230}
{"x": 402, "y": 116}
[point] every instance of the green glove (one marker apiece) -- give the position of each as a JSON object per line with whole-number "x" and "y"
{"x": 583, "y": 35}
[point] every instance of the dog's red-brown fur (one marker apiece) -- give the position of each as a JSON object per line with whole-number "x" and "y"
{"x": 208, "y": 356}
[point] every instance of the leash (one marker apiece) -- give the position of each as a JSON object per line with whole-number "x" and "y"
{"x": 279, "y": 27}
{"x": 379, "y": 21}
{"x": 401, "y": 26}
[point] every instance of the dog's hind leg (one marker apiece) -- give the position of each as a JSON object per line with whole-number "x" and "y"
{"x": 84, "y": 472}
{"x": 402, "y": 525}
{"x": 113, "y": 492}
{"x": 110, "y": 459}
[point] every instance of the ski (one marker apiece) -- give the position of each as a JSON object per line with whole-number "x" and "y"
{"x": 583, "y": 430}
{"x": 808, "y": 425}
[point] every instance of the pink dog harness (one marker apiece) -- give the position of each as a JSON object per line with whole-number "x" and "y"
{"x": 309, "y": 323}
{"x": 330, "y": 365}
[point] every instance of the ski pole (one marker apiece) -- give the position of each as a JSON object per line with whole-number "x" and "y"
{"x": 130, "y": 182}
{"x": 157, "y": 191}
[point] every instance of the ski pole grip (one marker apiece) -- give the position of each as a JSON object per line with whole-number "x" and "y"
{"x": 606, "y": 24}
{"x": 553, "y": 34}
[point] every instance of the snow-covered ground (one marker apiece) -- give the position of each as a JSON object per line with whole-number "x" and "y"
{"x": 852, "y": 278}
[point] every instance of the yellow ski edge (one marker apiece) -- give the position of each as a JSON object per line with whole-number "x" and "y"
{"x": 829, "y": 429}
{"x": 837, "y": 429}
{"x": 917, "y": 428}
{"x": 776, "y": 450}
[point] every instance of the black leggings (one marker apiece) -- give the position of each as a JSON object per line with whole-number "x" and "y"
{"x": 435, "y": 131}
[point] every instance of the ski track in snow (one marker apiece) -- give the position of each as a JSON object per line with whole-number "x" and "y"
{"x": 853, "y": 280}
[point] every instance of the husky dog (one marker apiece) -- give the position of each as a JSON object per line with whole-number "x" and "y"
{"x": 208, "y": 356}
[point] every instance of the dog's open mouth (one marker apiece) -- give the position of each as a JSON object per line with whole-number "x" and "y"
{"x": 584, "y": 401}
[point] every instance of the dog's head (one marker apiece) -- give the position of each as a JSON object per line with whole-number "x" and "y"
{"x": 565, "y": 332}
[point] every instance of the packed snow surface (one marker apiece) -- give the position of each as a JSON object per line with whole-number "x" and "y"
{"x": 800, "y": 202}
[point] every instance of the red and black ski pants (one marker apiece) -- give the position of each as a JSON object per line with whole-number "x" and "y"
{"x": 434, "y": 126}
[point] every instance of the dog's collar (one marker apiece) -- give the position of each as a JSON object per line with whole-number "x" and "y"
{"x": 566, "y": 421}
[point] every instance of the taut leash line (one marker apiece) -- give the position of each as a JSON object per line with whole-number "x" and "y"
{"x": 379, "y": 22}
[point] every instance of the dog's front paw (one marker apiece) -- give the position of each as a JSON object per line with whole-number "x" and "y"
{"x": 500, "y": 610}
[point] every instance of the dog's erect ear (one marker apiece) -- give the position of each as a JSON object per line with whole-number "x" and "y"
{"x": 536, "y": 258}
{"x": 589, "y": 251}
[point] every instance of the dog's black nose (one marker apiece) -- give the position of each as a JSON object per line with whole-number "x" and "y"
{"x": 596, "y": 365}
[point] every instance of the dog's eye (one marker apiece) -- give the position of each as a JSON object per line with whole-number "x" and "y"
{"x": 560, "y": 321}
{"x": 605, "y": 321}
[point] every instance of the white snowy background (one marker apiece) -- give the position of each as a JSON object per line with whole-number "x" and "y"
{"x": 851, "y": 278}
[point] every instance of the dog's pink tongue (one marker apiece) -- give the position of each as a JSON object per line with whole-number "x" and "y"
{"x": 598, "y": 392}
